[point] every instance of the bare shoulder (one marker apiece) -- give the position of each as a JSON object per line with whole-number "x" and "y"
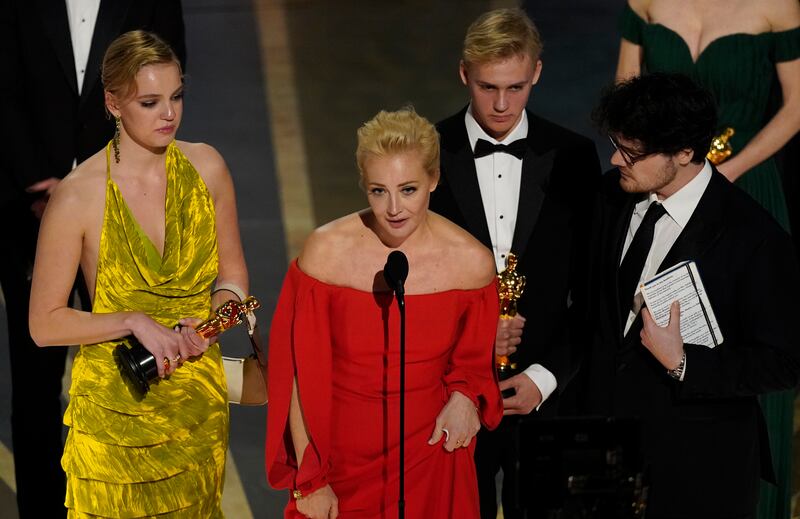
{"x": 782, "y": 15}
{"x": 208, "y": 162}
{"x": 472, "y": 263}
{"x": 327, "y": 249}
{"x": 83, "y": 188}
{"x": 201, "y": 153}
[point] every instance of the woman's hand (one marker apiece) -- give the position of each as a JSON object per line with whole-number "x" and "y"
{"x": 197, "y": 344}
{"x": 161, "y": 341}
{"x": 319, "y": 504}
{"x": 458, "y": 422}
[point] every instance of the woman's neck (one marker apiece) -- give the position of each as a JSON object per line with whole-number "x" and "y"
{"x": 136, "y": 159}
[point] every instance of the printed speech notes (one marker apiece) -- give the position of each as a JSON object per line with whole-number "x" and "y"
{"x": 682, "y": 282}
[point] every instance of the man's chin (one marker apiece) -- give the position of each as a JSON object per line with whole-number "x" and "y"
{"x": 496, "y": 129}
{"x": 629, "y": 185}
{"x": 498, "y": 133}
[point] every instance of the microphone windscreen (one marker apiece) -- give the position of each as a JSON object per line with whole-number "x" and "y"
{"x": 396, "y": 270}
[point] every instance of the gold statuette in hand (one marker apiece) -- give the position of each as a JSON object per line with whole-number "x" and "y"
{"x": 226, "y": 316}
{"x": 140, "y": 367}
{"x": 510, "y": 287}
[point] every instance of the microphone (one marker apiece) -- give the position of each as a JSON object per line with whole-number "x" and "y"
{"x": 395, "y": 272}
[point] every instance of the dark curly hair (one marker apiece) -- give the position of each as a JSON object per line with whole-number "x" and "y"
{"x": 663, "y": 112}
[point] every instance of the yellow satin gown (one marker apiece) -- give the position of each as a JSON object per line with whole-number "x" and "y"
{"x": 163, "y": 454}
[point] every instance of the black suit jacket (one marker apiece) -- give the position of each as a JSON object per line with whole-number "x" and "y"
{"x": 704, "y": 439}
{"x": 560, "y": 171}
{"x": 45, "y": 123}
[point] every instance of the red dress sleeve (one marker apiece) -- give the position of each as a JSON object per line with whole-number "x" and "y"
{"x": 299, "y": 345}
{"x": 471, "y": 369}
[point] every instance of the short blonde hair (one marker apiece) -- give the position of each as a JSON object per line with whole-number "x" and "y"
{"x": 126, "y": 56}
{"x": 499, "y": 35}
{"x": 392, "y": 133}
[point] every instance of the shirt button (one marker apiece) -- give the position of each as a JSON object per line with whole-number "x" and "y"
{"x": 501, "y": 216}
{"x": 499, "y": 176}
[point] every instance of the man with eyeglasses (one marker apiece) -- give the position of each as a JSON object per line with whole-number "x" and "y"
{"x": 704, "y": 440}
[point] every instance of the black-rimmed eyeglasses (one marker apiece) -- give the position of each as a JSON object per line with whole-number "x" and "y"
{"x": 629, "y": 158}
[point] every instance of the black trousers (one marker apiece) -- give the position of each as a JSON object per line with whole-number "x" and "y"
{"x": 36, "y": 415}
{"x": 497, "y": 450}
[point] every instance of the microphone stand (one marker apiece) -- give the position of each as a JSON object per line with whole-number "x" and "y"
{"x": 395, "y": 273}
{"x": 401, "y": 303}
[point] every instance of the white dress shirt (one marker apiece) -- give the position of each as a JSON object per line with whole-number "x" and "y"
{"x": 680, "y": 207}
{"x": 499, "y": 179}
{"x": 82, "y": 15}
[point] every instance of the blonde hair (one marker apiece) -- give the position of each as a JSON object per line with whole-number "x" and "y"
{"x": 126, "y": 56}
{"x": 392, "y": 133}
{"x": 501, "y": 34}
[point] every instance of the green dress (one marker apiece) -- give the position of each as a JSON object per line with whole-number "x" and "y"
{"x": 162, "y": 455}
{"x": 739, "y": 70}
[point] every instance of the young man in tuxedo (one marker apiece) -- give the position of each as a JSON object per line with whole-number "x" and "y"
{"x": 53, "y": 117}
{"x": 704, "y": 441}
{"x": 522, "y": 185}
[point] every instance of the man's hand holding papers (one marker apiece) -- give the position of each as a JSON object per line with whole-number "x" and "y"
{"x": 664, "y": 342}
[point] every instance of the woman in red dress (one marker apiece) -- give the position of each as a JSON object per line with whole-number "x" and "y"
{"x": 333, "y": 426}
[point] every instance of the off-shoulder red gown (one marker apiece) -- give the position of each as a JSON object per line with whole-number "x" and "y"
{"x": 343, "y": 346}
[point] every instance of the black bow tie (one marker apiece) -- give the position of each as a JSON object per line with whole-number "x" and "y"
{"x": 484, "y": 148}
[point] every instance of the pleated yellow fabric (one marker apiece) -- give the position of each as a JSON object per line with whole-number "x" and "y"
{"x": 162, "y": 455}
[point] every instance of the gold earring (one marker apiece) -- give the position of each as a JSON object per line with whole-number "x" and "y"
{"x": 115, "y": 140}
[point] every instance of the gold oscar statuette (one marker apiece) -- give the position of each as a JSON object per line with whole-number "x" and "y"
{"x": 510, "y": 286}
{"x": 721, "y": 147}
{"x": 140, "y": 367}
{"x": 226, "y": 316}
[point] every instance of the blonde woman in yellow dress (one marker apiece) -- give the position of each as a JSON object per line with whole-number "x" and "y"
{"x": 152, "y": 224}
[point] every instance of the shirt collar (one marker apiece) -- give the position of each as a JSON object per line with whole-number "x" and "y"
{"x": 681, "y": 205}
{"x": 475, "y": 132}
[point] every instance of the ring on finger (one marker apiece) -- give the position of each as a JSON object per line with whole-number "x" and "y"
{"x": 166, "y": 363}
{"x": 177, "y": 358}
{"x": 446, "y": 434}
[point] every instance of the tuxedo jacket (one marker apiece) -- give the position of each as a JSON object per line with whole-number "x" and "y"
{"x": 46, "y": 124}
{"x": 704, "y": 439}
{"x": 560, "y": 172}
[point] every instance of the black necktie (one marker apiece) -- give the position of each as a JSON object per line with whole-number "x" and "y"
{"x": 632, "y": 265}
{"x": 484, "y": 148}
